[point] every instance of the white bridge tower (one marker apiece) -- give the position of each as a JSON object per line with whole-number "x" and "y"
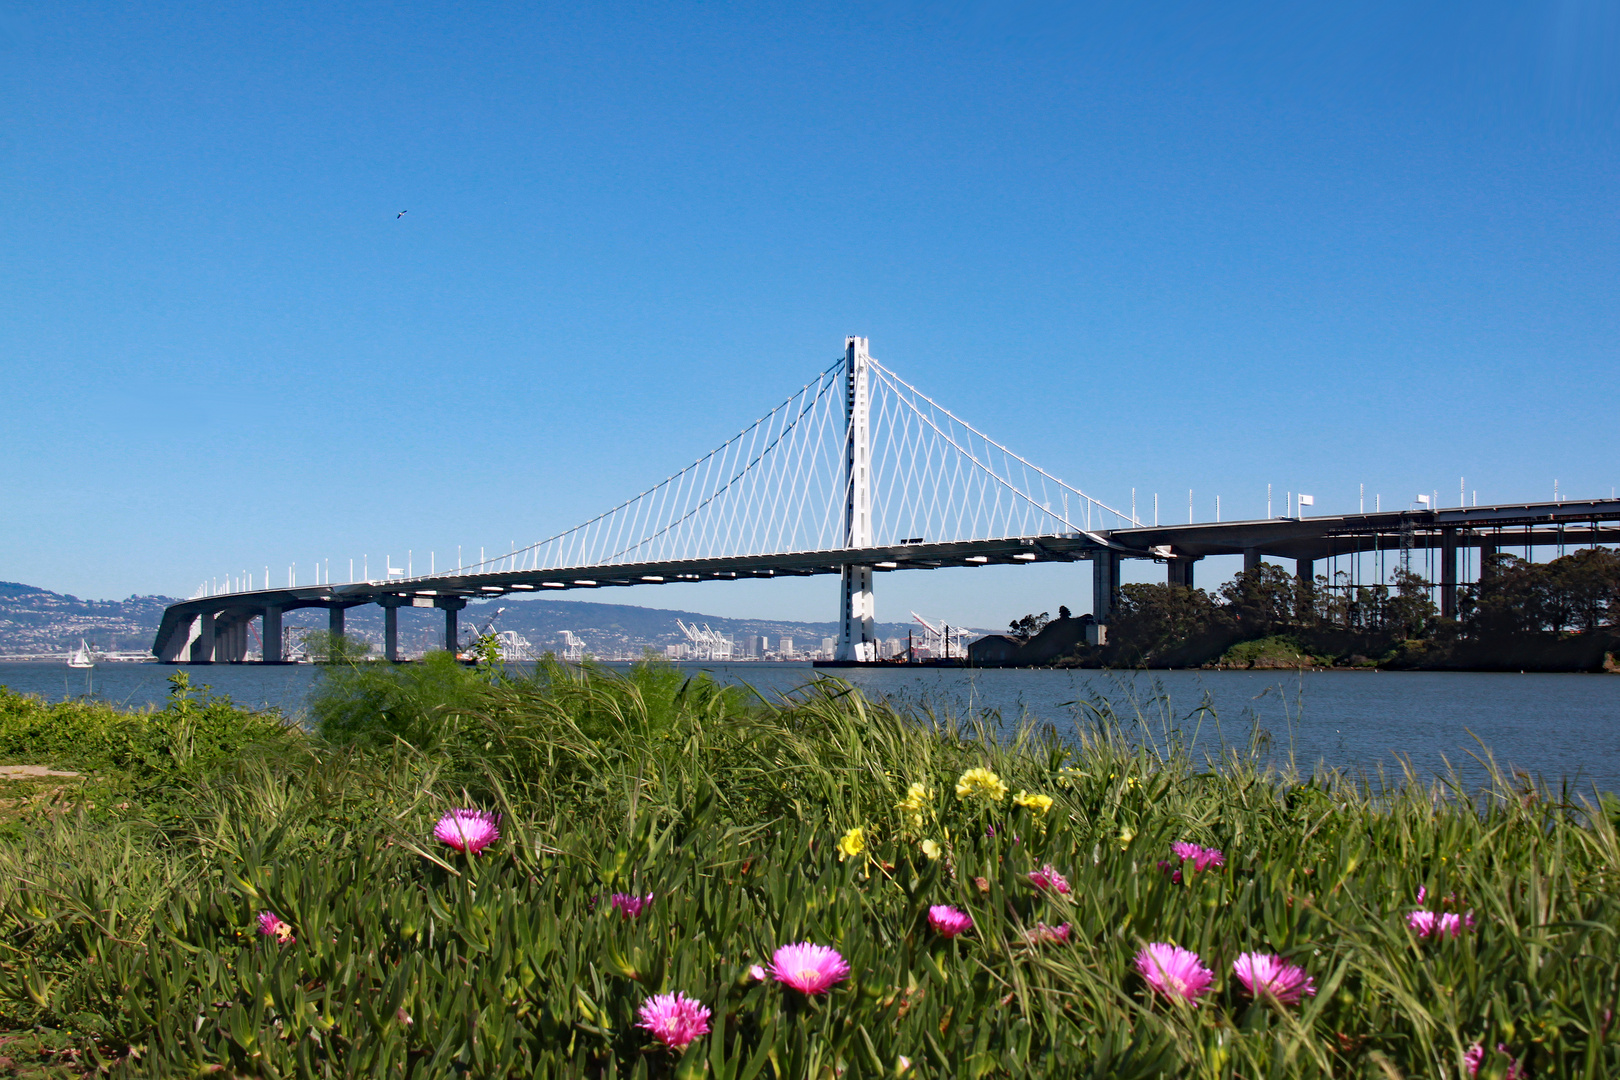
{"x": 857, "y": 639}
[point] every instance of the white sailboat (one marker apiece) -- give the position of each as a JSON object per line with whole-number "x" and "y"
{"x": 82, "y": 657}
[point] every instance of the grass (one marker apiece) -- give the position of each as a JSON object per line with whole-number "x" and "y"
{"x": 128, "y": 938}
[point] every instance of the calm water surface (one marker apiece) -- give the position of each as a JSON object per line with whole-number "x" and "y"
{"x": 1554, "y": 726}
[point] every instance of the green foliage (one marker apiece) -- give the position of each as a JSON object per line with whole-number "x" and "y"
{"x": 192, "y": 734}
{"x": 413, "y": 960}
{"x": 325, "y": 647}
{"x": 1578, "y": 591}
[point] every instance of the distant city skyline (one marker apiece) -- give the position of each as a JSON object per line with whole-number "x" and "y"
{"x": 1178, "y": 251}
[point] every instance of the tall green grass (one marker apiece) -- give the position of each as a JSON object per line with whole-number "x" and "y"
{"x": 136, "y": 932}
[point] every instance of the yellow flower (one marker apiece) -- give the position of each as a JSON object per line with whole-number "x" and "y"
{"x": 851, "y": 843}
{"x": 1126, "y": 835}
{"x": 913, "y": 803}
{"x": 980, "y": 784}
{"x": 1043, "y": 803}
{"x": 930, "y": 848}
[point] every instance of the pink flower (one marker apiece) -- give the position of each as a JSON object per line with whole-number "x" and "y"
{"x": 630, "y": 905}
{"x": 809, "y": 969}
{"x": 1048, "y": 879}
{"x": 674, "y": 1019}
{"x": 1202, "y": 857}
{"x": 1474, "y": 1057}
{"x": 1268, "y": 976}
{"x": 1429, "y": 923}
{"x": 1048, "y": 935}
{"x": 270, "y": 925}
{"x": 467, "y": 830}
{"x": 756, "y": 973}
{"x": 949, "y": 921}
{"x": 1174, "y": 972}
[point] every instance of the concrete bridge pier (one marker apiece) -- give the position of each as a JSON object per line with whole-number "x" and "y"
{"x": 178, "y": 642}
{"x": 271, "y": 633}
{"x": 1251, "y": 559}
{"x": 390, "y": 606}
{"x": 230, "y": 640}
{"x": 1104, "y": 593}
{"x": 1180, "y": 571}
{"x": 1448, "y": 573}
{"x": 202, "y": 648}
{"x": 452, "y": 632}
{"x": 334, "y": 620}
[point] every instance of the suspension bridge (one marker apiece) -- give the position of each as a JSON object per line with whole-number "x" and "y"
{"x": 859, "y": 473}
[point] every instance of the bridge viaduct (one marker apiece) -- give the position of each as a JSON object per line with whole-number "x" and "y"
{"x": 859, "y": 473}
{"x": 213, "y": 629}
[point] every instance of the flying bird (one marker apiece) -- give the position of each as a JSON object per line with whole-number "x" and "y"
{"x": 401, "y": 214}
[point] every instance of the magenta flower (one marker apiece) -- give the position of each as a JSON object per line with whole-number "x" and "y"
{"x": 1202, "y": 858}
{"x": 1174, "y": 972}
{"x": 271, "y": 925}
{"x": 1048, "y": 879}
{"x": 630, "y": 905}
{"x": 1266, "y": 976}
{"x": 467, "y": 830}
{"x": 809, "y": 969}
{"x": 1042, "y": 934}
{"x": 1432, "y": 924}
{"x": 1474, "y": 1057}
{"x": 756, "y": 973}
{"x": 674, "y": 1019}
{"x": 948, "y": 920}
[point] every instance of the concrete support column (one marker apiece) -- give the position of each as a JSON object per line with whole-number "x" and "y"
{"x": 1180, "y": 572}
{"x": 390, "y": 606}
{"x": 1251, "y": 559}
{"x": 1487, "y": 551}
{"x": 1104, "y": 585}
{"x": 334, "y": 621}
{"x": 271, "y": 629}
{"x": 1448, "y": 573}
{"x": 202, "y": 650}
{"x": 178, "y": 641}
{"x": 452, "y": 633}
{"x": 857, "y": 633}
{"x": 1305, "y": 581}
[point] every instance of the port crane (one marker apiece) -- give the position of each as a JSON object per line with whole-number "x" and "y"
{"x": 709, "y": 645}
{"x": 942, "y": 640}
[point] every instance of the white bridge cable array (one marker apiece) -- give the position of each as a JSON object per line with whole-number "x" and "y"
{"x": 778, "y": 487}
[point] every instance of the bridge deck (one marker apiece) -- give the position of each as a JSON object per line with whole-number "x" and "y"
{"x": 1302, "y": 539}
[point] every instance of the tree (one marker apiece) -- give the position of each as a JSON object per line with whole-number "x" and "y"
{"x": 1579, "y": 591}
{"x": 1152, "y": 617}
{"x": 1027, "y": 627}
{"x": 1411, "y": 610}
{"x": 1260, "y": 601}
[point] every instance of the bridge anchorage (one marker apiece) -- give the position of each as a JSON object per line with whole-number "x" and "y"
{"x": 860, "y": 473}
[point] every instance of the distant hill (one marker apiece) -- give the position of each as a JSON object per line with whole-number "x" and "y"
{"x": 38, "y": 621}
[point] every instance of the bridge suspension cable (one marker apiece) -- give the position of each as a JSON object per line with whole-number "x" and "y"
{"x": 780, "y": 486}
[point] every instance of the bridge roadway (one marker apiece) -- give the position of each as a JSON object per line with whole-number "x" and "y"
{"x": 212, "y": 629}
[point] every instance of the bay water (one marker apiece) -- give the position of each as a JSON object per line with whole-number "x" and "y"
{"x": 1554, "y": 727}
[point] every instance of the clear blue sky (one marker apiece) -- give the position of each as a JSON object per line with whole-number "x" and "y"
{"x": 1202, "y": 246}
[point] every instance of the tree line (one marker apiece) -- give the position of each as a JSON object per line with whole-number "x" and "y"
{"x": 1577, "y": 592}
